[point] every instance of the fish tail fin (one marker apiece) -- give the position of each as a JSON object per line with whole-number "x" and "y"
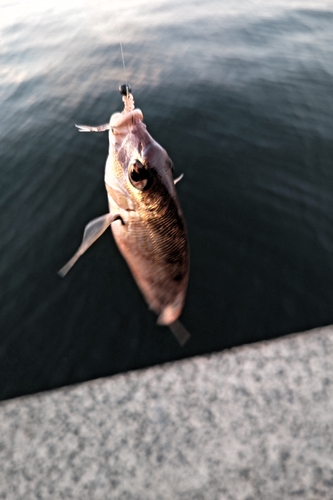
{"x": 180, "y": 332}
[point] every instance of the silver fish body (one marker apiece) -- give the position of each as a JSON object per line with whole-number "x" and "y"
{"x": 152, "y": 235}
{"x": 145, "y": 216}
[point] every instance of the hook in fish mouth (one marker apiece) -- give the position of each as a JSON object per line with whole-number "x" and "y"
{"x": 138, "y": 174}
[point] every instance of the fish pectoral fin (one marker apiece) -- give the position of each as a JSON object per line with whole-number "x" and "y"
{"x": 180, "y": 332}
{"x": 178, "y": 179}
{"x": 93, "y": 230}
{"x": 89, "y": 128}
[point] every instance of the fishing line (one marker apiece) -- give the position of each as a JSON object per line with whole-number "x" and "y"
{"x": 121, "y": 45}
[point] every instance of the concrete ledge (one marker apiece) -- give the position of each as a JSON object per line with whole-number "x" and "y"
{"x": 251, "y": 423}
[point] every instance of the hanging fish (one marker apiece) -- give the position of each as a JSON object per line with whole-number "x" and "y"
{"x": 145, "y": 215}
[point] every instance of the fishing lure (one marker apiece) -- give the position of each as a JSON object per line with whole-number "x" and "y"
{"x": 145, "y": 215}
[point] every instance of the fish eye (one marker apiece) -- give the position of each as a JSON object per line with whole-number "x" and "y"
{"x": 138, "y": 175}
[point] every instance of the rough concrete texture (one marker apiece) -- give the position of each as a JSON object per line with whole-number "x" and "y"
{"x": 254, "y": 422}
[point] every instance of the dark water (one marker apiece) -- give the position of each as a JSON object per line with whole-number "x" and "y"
{"x": 240, "y": 95}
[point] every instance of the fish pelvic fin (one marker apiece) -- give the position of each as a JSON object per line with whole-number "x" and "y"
{"x": 93, "y": 230}
{"x": 178, "y": 179}
{"x": 180, "y": 332}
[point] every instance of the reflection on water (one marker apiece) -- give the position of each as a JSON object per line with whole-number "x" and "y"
{"x": 240, "y": 96}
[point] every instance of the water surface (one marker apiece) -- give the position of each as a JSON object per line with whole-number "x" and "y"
{"x": 240, "y": 96}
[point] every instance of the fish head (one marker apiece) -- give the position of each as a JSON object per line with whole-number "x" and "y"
{"x": 137, "y": 167}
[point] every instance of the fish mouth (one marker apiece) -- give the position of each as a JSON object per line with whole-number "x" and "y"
{"x": 119, "y": 120}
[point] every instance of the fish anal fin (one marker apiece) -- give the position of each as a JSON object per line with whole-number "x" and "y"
{"x": 93, "y": 230}
{"x": 180, "y": 332}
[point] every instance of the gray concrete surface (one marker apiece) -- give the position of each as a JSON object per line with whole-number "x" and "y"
{"x": 251, "y": 423}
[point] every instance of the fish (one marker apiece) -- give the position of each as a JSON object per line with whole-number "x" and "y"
{"x": 144, "y": 215}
